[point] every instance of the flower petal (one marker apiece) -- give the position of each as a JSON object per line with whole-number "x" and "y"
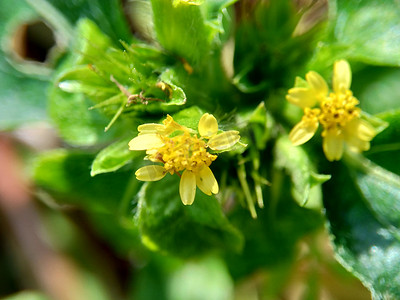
{"x": 151, "y": 128}
{"x": 360, "y": 129}
{"x": 302, "y": 97}
{"x": 146, "y": 141}
{"x": 150, "y": 173}
{"x": 208, "y": 125}
{"x": 224, "y": 140}
{"x": 341, "y": 76}
{"x": 332, "y": 145}
{"x": 206, "y": 181}
{"x": 317, "y": 83}
{"x": 302, "y": 132}
{"x": 187, "y": 187}
{"x": 357, "y": 145}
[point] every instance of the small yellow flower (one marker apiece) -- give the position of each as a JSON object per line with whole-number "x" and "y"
{"x": 182, "y": 151}
{"x": 337, "y": 113}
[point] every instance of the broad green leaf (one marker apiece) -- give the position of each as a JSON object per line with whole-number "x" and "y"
{"x": 363, "y": 245}
{"x": 169, "y": 226}
{"x": 181, "y": 30}
{"x": 377, "y": 89}
{"x": 381, "y": 190}
{"x": 22, "y": 91}
{"x": 114, "y": 157}
{"x": 66, "y": 176}
{"x": 366, "y": 31}
{"x": 77, "y": 124}
{"x": 306, "y": 187}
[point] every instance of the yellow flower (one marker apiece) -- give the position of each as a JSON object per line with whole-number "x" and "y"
{"x": 182, "y": 151}
{"x": 337, "y": 112}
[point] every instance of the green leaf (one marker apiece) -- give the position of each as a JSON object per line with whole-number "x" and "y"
{"x": 22, "y": 84}
{"x": 261, "y": 123}
{"x": 189, "y": 281}
{"x": 363, "y": 245}
{"x": 108, "y": 14}
{"x": 75, "y": 122}
{"x": 306, "y": 183}
{"x": 114, "y": 157}
{"x": 380, "y": 188}
{"x": 181, "y": 29}
{"x": 66, "y": 176}
{"x": 385, "y": 147}
{"x": 27, "y": 296}
{"x": 365, "y": 31}
{"x": 189, "y": 117}
{"x": 271, "y": 238}
{"x": 168, "y": 226}
{"x": 377, "y": 89}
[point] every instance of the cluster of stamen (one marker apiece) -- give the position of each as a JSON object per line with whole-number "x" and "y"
{"x": 335, "y": 112}
{"x": 182, "y": 152}
{"x": 338, "y": 109}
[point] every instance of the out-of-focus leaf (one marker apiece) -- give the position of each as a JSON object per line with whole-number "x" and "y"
{"x": 22, "y": 96}
{"x": 75, "y": 122}
{"x": 114, "y": 157}
{"x": 270, "y": 239}
{"x": 363, "y": 245}
{"x": 306, "y": 183}
{"x": 27, "y": 296}
{"x": 366, "y": 31}
{"x": 377, "y": 89}
{"x": 181, "y": 29}
{"x": 380, "y": 188}
{"x": 66, "y": 176}
{"x": 107, "y": 14}
{"x": 187, "y": 231}
{"x": 190, "y": 280}
{"x": 261, "y": 123}
{"x": 385, "y": 147}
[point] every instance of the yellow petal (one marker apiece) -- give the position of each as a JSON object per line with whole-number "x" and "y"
{"x": 208, "y": 125}
{"x": 302, "y": 132}
{"x": 151, "y": 128}
{"x": 317, "y": 83}
{"x": 341, "y": 76}
{"x": 146, "y": 141}
{"x": 360, "y": 129}
{"x": 150, "y": 173}
{"x": 357, "y": 145}
{"x": 206, "y": 181}
{"x": 224, "y": 140}
{"x": 332, "y": 145}
{"x": 187, "y": 187}
{"x": 302, "y": 97}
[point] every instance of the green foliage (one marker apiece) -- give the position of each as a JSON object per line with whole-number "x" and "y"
{"x": 183, "y": 231}
{"x": 306, "y": 183}
{"x": 187, "y": 58}
{"x": 23, "y": 94}
{"x": 66, "y": 176}
{"x": 364, "y": 245}
{"x": 355, "y": 30}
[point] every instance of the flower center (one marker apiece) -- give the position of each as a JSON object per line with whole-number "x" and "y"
{"x": 183, "y": 152}
{"x": 337, "y": 110}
